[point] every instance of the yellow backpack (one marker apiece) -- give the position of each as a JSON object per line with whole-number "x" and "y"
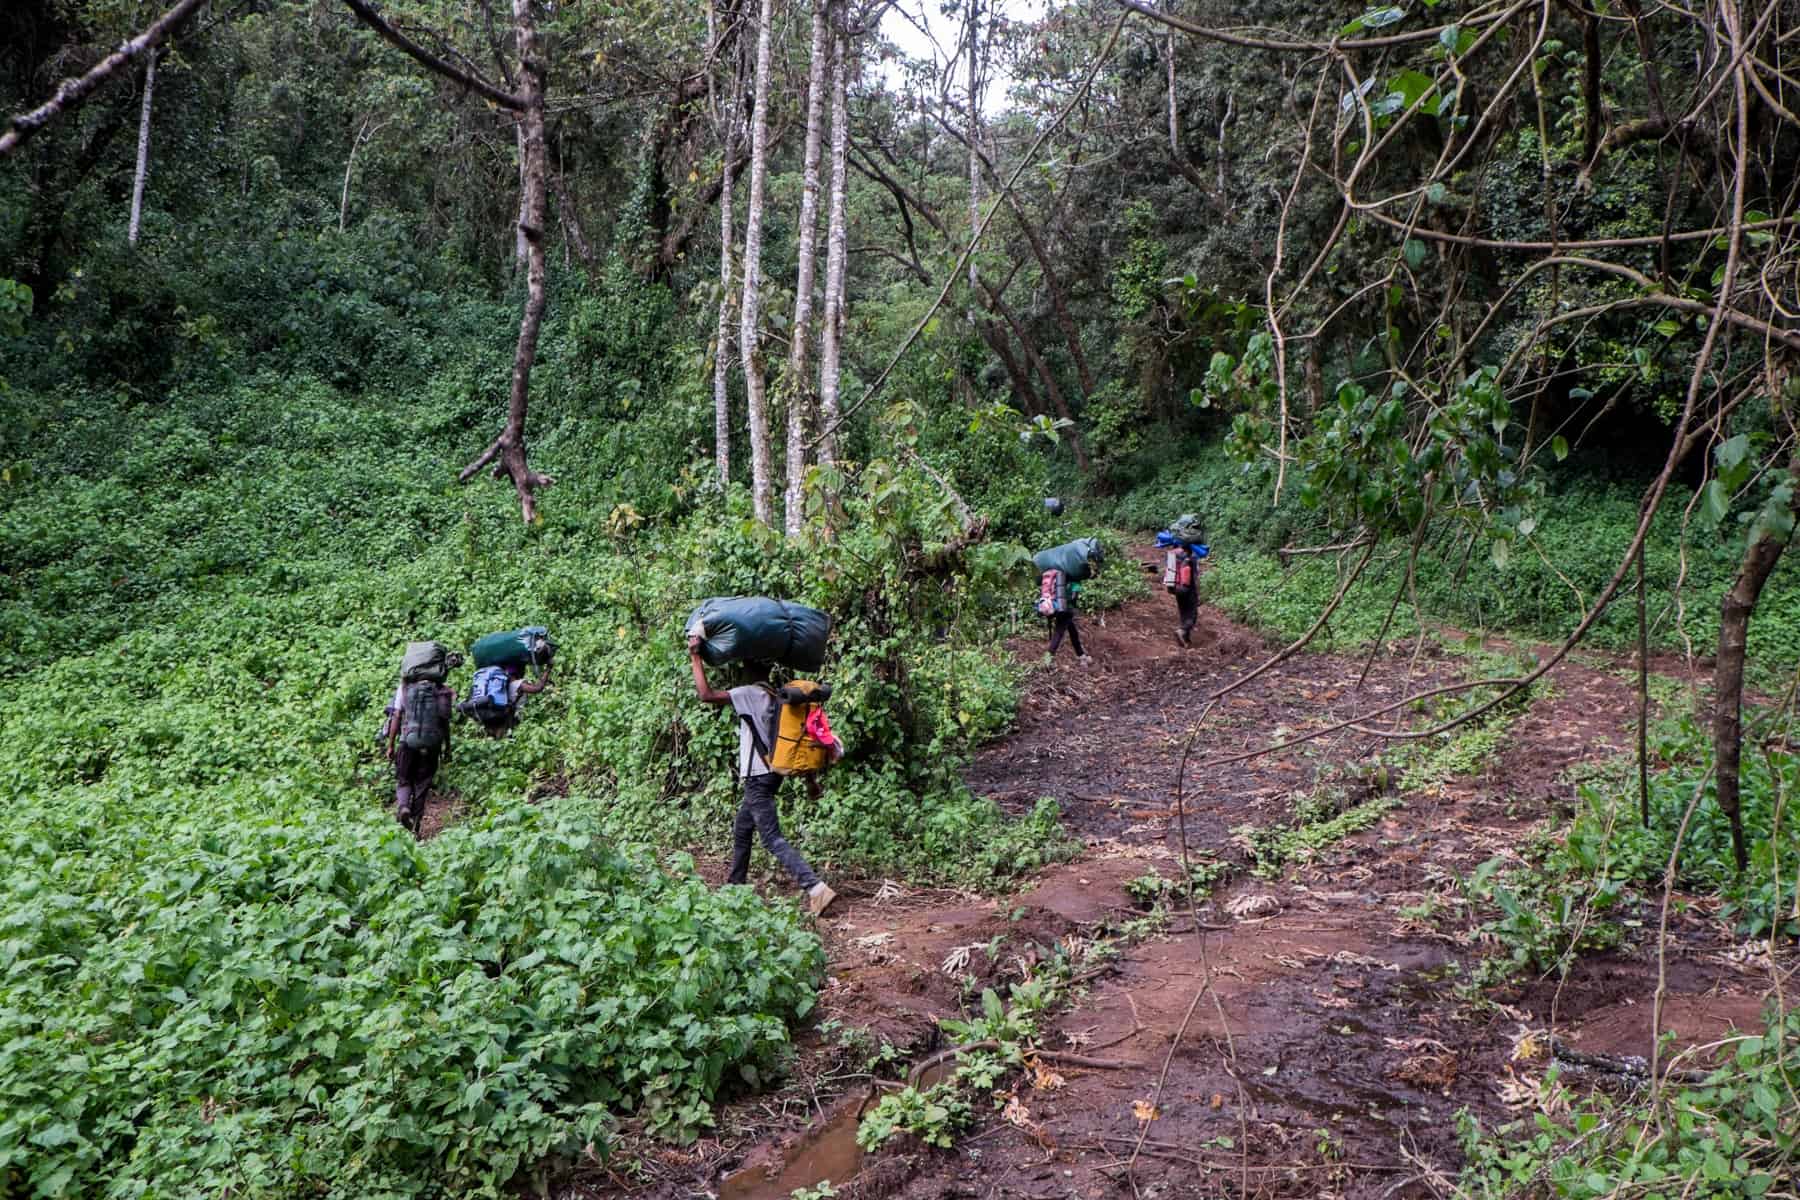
{"x": 798, "y": 750}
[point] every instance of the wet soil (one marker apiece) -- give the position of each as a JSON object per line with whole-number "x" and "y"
{"x": 1318, "y": 1043}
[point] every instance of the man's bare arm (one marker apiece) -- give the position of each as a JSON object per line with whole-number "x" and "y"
{"x": 708, "y": 693}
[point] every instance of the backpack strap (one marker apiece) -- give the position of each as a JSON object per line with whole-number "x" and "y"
{"x": 756, "y": 742}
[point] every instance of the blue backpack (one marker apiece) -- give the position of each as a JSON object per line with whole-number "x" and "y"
{"x": 488, "y": 693}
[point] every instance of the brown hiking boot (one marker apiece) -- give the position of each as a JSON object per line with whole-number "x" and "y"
{"x": 819, "y": 898}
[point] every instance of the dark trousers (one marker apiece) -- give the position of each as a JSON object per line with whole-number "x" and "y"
{"x": 757, "y": 815}
{"x": 1061, "y": 623}
{"x": 413, "y": 773}
{"x": 1188, "y": 605}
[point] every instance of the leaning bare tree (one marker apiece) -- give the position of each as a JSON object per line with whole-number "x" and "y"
{"x": 507, "y": 452}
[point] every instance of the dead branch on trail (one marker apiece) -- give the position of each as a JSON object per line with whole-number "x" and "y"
{"x": 74, "y": 91}
{"x": 1206, "y": 980}
{"x": 924, "y": 1066}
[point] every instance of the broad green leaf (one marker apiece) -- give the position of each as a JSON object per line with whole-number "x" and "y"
{"x": 1559, "y": 446}
{"x": 1715, "y": 502}
{"x": 1410, "y": 85}
{"x": 1732, "y": 451}
{"x": 1416, "y": 252}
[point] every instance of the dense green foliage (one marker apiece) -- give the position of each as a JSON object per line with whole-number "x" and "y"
{"x": 275, "y": 985}
{"x": 1732, "y": 1133}
{"x": 1585, "y": 887}
{"x": 247, "y": 988}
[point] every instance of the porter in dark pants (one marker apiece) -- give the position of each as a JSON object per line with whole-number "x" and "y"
{"x": 1188, "y": 605}
{"x": 1061, "y": 623}
{"x": 758, "y": 714}
{"x": 413, "y": 772}
{"x": 757, "y": 815}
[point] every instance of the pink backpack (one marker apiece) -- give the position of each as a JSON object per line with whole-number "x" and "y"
{"x": 818, "y": 728}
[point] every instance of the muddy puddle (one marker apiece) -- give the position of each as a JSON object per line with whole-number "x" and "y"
{"x": 826, "y": 1154}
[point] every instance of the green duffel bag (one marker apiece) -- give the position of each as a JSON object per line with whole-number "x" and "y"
{"x": 529, "y": 646}
{"x": 1076, "y": 560}
{"x": 1187, "y": 528}
{"x": 758, "y": 629}
{"x": 424, "y": 660}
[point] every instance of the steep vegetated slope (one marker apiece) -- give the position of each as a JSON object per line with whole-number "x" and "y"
{"x": 227, "y": 969}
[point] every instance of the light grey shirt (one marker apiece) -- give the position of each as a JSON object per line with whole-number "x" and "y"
{"x": 754, "y": 703}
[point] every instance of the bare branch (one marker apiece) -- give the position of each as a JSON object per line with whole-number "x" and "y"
{"x": 366, "y": 13}
{"x": 74, "y": 91}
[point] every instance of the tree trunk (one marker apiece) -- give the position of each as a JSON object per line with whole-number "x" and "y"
{"x": 1051, "y": 388}
{"x": 837, "y": 246}
{"x": 1059, "y": 303}
{"x": 143, "y": 153}
{"x": 996, "y": 339}
{"x": 1760, "y": 557}
{"x": 509, "y": 447}
{"x": 364, "y": 135}
{"x": 800, "y": 397}
{"x": 1176, "y": 154}
{"x": 571, "y": 220}
{"x": 974, "y": 136}
{"x": 521, "y": 248}
{"x": 727, "y": 119}
{"x": 749, "y": 331}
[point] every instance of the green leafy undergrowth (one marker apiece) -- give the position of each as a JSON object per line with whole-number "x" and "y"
{"x": 245, "y": 990}
{"x": 1575, "y": 887}
{"x": 934, "y": 1116}
{"x": 225, "y": 970}
{"x": 1734, "y": 1133}
{"x": 1319, "y": 820}
{"x": 1468, "y": 748}
{"x": 994, "y": 1040}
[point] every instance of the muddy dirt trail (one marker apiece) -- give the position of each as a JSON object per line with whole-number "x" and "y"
{"x": 1317, "y": 1034}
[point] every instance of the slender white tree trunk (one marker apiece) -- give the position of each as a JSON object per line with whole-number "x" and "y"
{"x": 726, "y": 118}
{"x": 521, "y": 251}
{"x": 836, "y": 245}
{"x": 974, "y": 136}
{"x": 363, "y": 136}
{"x": 749, "y": 331}
{"x": 349, "y": 166}
{"x": 800, "y": 397}
{"x": 143, "y": 155}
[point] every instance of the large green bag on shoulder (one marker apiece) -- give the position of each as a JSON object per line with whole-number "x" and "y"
{"x": 1187, "y": 528}
{"x": 529, "y": 646}
{"x": 758, "y": 629}
{"x": 424, "y": 660}
{"x": 1076, "y": 559}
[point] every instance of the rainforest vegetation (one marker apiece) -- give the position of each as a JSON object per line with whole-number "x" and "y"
{"x": 326, "y": 325}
